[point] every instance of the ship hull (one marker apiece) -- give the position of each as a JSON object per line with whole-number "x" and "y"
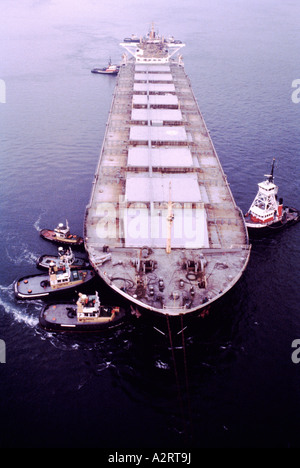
{"x": 72, "y": 240}
{"x": 202, "y": 310}
{"x": 292, "y": 216}
{"x": 104, "y": 72}
{"x": 38, "y": 286}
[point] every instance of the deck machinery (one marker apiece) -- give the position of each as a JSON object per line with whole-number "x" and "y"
{"x": 162, "y": 228}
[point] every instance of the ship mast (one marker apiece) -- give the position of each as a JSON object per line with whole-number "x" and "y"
{"x": 271, "y": 175}
{"x": 152, "y": 32}
{"x": 170, "y": 218}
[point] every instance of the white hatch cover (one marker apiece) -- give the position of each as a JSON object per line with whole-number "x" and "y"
{"x": 184, "y": 188}
{"x": 152, "y": 68}
{"x": 160, "y": 157}
{"x": 146, "y": 224}
{"x": 154, "y": 87}
{"x": 164, "y": 133}
{"x": 171, "y": 115}
{"x": 153, "y": 77}
{"x": 155, "y": 99}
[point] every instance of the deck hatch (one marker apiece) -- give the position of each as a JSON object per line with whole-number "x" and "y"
{"x": 160, "y": 157}
{"x": 152, "y": 68}
{"x": 164, "y": 133}
{"x": 143, "y": 189}
{"x": 166, "y": 115}
{"x": 153, "y": 77}
{"x": 155, "y": 99}
{"x": 154, "y": 87}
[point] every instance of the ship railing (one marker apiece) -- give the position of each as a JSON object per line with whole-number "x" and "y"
{"x": 238, "y": 247}
{"x": 230, "y": 248}
{"x": 104, "y": 140}
{"x": 98, "y": 245}
{"x": 230, "y": 221}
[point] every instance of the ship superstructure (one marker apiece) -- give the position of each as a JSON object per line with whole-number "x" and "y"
{"x": 162, "y": 227}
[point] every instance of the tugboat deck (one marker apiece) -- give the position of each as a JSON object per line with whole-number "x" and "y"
{"x": 56, "y": 317}
{"x": 34, "y": 286}
{"x": 162, "y": 227}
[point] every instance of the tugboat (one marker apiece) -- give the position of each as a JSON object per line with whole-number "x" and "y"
{"x": 133, "y": 38}
{"x": 58, "y": 279}
{"x": 88, "y": 315}
{"x": 61, "y": 235}
{"x": 267, "y": 211}
{"x": 109, "y": 70}
{"x": 44, "y": 261}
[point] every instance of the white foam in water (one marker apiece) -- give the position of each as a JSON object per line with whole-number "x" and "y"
{"x": 37, "y": 222}
{"x": 20, "y": 312}
{"x": 19, "y": 254}
{"x": 162, "y": 365}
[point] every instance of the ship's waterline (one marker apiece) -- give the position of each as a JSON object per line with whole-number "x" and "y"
{"x": 162, "y": 227}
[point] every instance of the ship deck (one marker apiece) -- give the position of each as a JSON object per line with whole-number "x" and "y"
{"x": 157, "y": 156}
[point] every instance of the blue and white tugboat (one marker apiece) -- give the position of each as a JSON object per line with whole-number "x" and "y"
{"x": 88, "y": 314}
{"x": 267, "y": 211}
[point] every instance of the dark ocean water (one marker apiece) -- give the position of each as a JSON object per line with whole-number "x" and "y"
{"x": 236, "y": 384}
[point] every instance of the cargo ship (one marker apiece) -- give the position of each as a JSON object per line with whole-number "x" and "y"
{"x": 162, "y": 228}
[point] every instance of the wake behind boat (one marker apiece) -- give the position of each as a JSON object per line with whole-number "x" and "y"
{"x": 88, "y": 314}
{"x": 267, "y": 211}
